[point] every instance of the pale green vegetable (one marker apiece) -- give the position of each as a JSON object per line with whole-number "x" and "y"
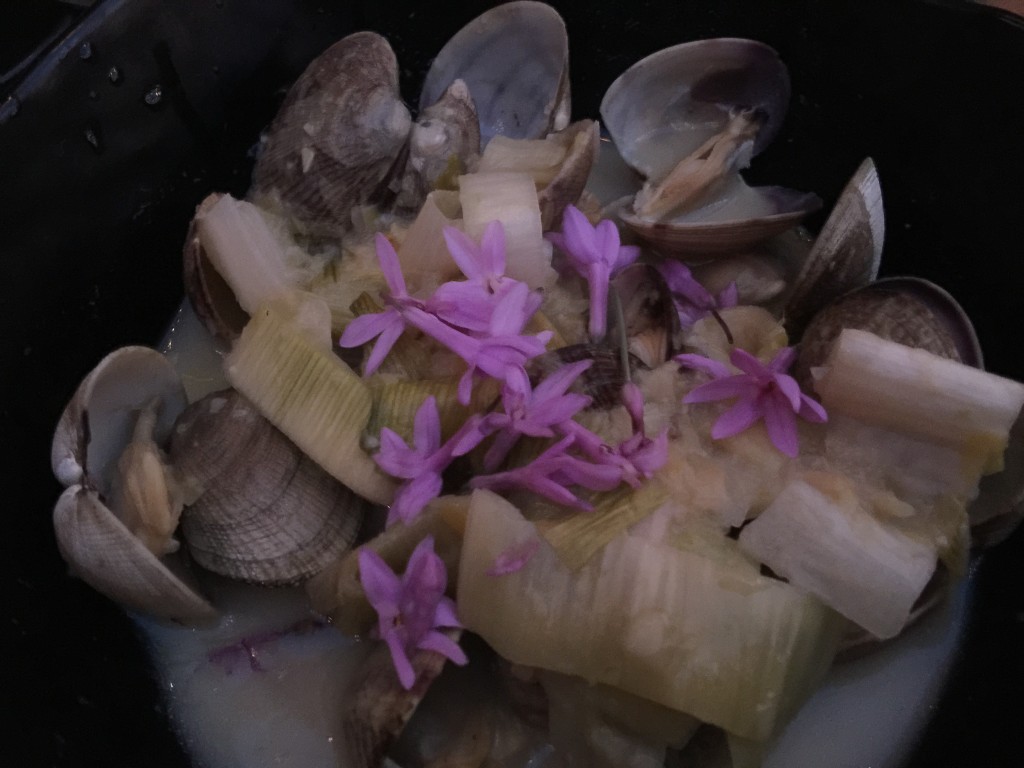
{"x": 687, "y": 630}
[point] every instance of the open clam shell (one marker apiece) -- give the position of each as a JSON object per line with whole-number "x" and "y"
{"x": 105, "y": 554}
{"x": 93, "y": 438}
{"x": 667, "y": 105}
{"x": 582, "y": 140}
{"x": 265, "y": 512}
{"x": 515, "y": 60}
{"x": 847, "y": 252}
{"x": 339, "y": 136}
{"x": 738, "y": 219}
{"x": 98, "y": 421}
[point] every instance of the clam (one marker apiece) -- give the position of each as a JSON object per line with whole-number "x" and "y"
{"x": 115, "y": 520}
{"x": 847, "y": 252}
{"x": 338, "y": 139}
{"x": 514, "y": 59}
{"x": 444, "y": 143}
{"x": 264, "y": 512}
{"x": 582, "y": 142}
{"x": 647, "y": 312}
{"x": 908, "y": 310}
{"x": 689, "y": 118}
{"x": 602, "y": 381}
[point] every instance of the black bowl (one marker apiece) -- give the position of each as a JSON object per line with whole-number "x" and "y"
{"x": 98, "y": 182}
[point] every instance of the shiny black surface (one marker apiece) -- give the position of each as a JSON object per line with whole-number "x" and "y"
{"x": 97, "y": 186}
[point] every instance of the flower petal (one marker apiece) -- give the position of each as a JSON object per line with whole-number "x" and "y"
{"x": 399, "y": 657}
{"x": 426, "y": 431}
{"x": 704, "y": 365}
{"x": 444, "y": 645}
{"x": 739, "y": 385}
{"x": 381, "y": 585}
{"x": 465, "y": 253}
{"x": 390, "y": 266}
{"x": 783, "y": 359}
{"x": 812, "y": 410}
{"x": 365, "y": 327}
{"x": 790, "y": 390}
{"x": 412, "y": 496}
{"x": 492, "y": 249}
{"x": 780, "y": 421}
{"x": 385, "y": 342}
{"x": 749, "y": 364}
{"x": 740, "y": 417}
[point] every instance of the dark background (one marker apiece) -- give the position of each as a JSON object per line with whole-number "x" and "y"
{"x": 97, "y": 186}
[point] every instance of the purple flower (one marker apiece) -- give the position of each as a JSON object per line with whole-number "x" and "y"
{"x": 502, "y": 354}
{"x": 514, "y": 557}
{"x": 421, "y": 466}
{"x": 471, "y": 303}
{"x": 691, "y": 299}
{"x": 637, "y": 457}
{"x": 595, "y": 252}
{"x": 761, "y": 392}
{"x": 410, "y": 609}
{"x": 534, "y": 412}
{"x": 388, "y": 325}
{"x": 551, "y": 474}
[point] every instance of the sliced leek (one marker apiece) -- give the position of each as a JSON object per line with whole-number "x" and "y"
{"x": 244, "y": 251}
{"x": 688, "y": 631}
{"x": 510, "y": 198}
{"x": 913, "y": 391}
{"x": 284, "y": 363}
{"x": 824, "y": 542}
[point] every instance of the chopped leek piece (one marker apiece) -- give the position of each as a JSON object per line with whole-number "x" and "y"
{"x": 819, "y": 538}
{"x": 722, "y": 643}
{"x": 285, "y": 364}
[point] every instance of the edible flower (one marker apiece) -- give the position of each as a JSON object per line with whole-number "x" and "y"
{"x": 534, "y": 412}
{"x": 514, "y": 557}
{"x": 501, "y": 354}
{"x": 471, "y": 303}
{"x": 691, "y": 299}
{"x": 597, "y": 255}
{"x": 411, "y": 608}
{"x": 422, "y": 464}
{"x": 388, "y": 325}
{"x": 551, "y": 474}
{"x": 762, "y": 392}
{"x": 637, "y": 457}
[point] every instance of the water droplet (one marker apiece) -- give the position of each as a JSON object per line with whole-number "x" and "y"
{"x": 85, "y": 51}
{"x": 114, "y": 75}
{"x": 154, "y": 95}
{"x": 93, "y": 136}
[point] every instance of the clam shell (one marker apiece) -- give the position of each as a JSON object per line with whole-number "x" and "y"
{"x": 583, "y": 140}
{"x": 603, "y": 381}
{"x": 105, "y": 554}
{"x": 847, "y": 252}
{"x": 92, "y": 434}
{"x": 908, "y": 310}
{"x": 649, "y": 314}
{"x": 665, "y": 106}
{"x": 98, "y": 421}
{"x": 339, "y": 136}
{"x": 267, "y": 513}
{"x": 739, "y": 219}
{"x": 444, "y": 143}
{"x": 209, "y": 294}
{"x": 515, "y": 60}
